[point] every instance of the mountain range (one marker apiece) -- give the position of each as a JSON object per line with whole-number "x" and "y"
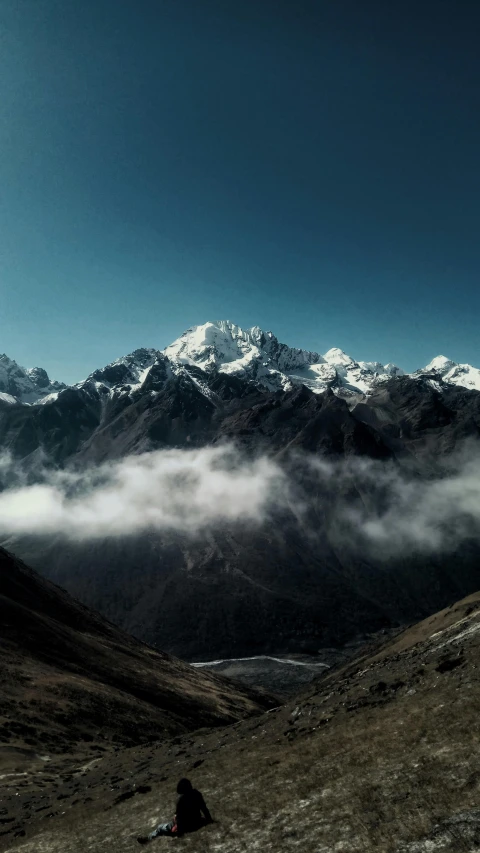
{"x": 223, "y": 347}
{"x": 372, "y": 522}
{"x": 296, "y": 579}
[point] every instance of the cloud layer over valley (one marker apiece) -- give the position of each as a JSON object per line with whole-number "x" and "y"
{"x": 367, "y": 507}
{"x": 384, "y": 511}
{"x": 181, "y": 490}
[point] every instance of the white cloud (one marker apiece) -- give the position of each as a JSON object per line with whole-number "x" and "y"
{"x": 394, "y": 511}
{"x": 183, "y": 490}
{"x": 369, "y": 508}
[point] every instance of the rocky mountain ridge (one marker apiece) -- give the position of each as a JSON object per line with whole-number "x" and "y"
{"x": 223, "y": 347}
{"x": 18, "y": 385}
{"x": 289, "y": 582}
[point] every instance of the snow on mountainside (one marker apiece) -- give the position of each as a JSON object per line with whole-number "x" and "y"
{"x": 126, "y": 374}
{"x": 252, "y": 354}
{"x": 24, "y": 386}
{"x": 260, "y": 357}
{"x": 451, "y": 372}
{"x": 359, "y": 375}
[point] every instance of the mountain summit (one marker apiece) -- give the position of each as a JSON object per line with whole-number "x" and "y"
{"x": 258, "y": 356}
{"x": 449, "y": 371}
{"x": 18, "y": 385}
{"x": 221, "y": 347}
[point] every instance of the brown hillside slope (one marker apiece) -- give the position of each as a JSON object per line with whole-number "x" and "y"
{"x": 69, "y": 677}
{"x": 380, "y": 756}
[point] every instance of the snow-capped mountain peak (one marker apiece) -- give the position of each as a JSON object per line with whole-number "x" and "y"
{"x": 213, "y": 345}
{"x": 123, "y": 376}
{"x": 440, "y": 363}
{"x": 337, "y": 356}
{"x": 259, "y": 356}
{"x": 251, "y": 353}
{"x": 452, "y": 373}
{"x": 359, "y": 375}
{"x": 128, "y": 370}
{"x": 221, "y": 346}
{"x": 24, "y": 386}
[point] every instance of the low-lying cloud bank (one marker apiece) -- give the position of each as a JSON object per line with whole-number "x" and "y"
{"x": 180, "y": 490}
{"x": 367, "y": 507}
{"x": 379, "y": 509}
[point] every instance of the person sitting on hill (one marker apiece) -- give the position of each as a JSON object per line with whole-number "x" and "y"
{"x": 188, "y": 816}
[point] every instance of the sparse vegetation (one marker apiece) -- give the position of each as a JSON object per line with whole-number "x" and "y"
{"x": 379, "y": 756}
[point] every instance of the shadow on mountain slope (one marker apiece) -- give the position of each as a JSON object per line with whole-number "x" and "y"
{"x": 69, "y": 677}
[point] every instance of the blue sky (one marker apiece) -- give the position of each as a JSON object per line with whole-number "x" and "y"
{"x": 311, "y": 167}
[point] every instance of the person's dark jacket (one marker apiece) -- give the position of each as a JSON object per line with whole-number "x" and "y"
{"x": 189, "y": 810}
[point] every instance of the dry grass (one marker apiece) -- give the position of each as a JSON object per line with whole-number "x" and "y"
{"x": 376, "y": 783}
{"x": 348, "y": 770}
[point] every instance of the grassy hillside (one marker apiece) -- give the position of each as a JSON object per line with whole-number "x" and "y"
{"x": 379, "y": 756}
{"x": 70, "y": 679}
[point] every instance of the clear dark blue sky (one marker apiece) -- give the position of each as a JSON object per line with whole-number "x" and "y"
{"x": 310, "y": 166}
